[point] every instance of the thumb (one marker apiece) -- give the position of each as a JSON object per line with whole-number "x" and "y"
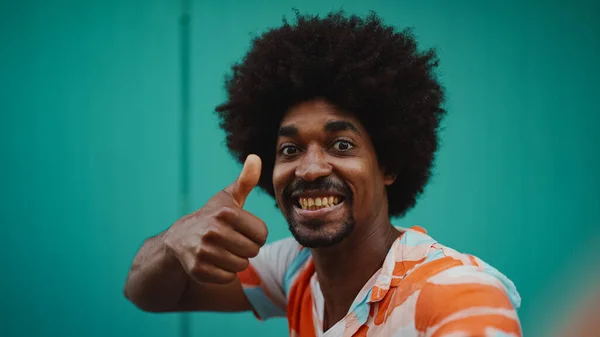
{"x": 247, "y": 180}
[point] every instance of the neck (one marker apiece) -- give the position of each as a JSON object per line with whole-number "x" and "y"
{"x": 344, "y": 269}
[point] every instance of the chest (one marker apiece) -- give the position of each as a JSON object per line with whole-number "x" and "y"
{"x": 391, "y": 315}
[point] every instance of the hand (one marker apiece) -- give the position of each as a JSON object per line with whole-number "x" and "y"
{"x": 216, "y": 241}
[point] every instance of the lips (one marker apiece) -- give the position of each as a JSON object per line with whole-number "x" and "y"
{"x": 324, "y": 196}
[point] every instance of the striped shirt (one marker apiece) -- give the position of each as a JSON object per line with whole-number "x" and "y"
{"x": 423, "y": 289}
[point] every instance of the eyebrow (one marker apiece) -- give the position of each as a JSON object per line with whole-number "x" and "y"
{"x": 330, "y": 127}
{"x": 336, "y": 126}
{"x": 287, "y": 131}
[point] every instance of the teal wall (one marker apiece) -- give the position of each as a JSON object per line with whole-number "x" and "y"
{"x": 91, "y": 103}
{"x": 89, "y": 134}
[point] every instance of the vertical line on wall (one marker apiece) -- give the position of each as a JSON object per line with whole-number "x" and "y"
{"x": 184, "y": 142}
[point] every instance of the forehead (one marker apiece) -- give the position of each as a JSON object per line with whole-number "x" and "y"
{"x": 316, "y": 113}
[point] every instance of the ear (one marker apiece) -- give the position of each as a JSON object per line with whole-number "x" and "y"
{"x": 389, "y": 178}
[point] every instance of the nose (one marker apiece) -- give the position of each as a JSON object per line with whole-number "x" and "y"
{"x": 313, "y": 164}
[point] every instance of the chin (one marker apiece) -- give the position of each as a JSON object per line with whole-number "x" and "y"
{"x": 320, "y": 227}
{"x": 315, "y": 234}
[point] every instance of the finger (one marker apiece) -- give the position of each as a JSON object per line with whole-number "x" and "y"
{"x": 246, "y": 181}
{"x": 222, "y": 258}
{"x": 236, "y": 243}
{"x": 208, "y": 273}
{"x": 247, "y": 224}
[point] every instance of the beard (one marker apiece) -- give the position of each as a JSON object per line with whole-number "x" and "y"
{"x": 317, "y": 234}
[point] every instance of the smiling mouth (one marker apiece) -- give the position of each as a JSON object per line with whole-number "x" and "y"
{"x": 318, "y": 202}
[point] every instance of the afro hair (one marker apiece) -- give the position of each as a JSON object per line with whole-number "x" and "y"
{"x": 357, "y": 64}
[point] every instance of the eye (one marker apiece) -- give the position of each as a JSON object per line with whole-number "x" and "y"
{"x": 342, "y": 145}
{"x": 289, "y": 150}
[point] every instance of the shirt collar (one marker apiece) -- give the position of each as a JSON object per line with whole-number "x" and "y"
{"x": 409, "y": 249}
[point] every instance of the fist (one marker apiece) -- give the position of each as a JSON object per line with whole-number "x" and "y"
{"x": 215, "y": 242}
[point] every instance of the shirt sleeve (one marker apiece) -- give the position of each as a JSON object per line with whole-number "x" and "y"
{"x": 466, "y": 301}
{"x": 263, "y": 280}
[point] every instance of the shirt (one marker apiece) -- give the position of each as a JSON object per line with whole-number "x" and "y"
{"x": 422, "y": 289}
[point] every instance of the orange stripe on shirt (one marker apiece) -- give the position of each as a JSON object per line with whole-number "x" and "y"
{"x": 477, "y": 325}
{"x": 402, "y": 267}
{"x": 418, "y": 276}
{"x": 419, "y": 229}
{"x": 413, "y": 282}
{"x": 437, "y": 302}
{"x": 249, "y": 277}
{"x": 473, "y": 261}
{"x": 300, "y": 305}
{"x": 362, "y": 331}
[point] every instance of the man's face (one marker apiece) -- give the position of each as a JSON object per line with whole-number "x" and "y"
{"x": 326, "y": 177}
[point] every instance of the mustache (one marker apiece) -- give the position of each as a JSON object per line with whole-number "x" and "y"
{"x": 322, "y": 183}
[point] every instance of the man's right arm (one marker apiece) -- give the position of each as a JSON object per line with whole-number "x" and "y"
{"x": 157, "y": 282}
{"x": 194, "y": 264}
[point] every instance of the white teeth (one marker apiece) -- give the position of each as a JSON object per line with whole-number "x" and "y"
{"x": 319, "y": 202}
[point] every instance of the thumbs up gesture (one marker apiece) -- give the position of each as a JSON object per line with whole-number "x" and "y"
{"x": 216, "y": 241}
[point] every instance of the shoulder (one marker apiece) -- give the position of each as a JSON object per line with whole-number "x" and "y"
{"x": 451, "y": 289}
{"x": 436, "y": 264}
{"x": 467, "y": 296}
{"x": 473, "y": 272}
{"x": 423, "y": 262}
{"x": 264, "y": 281}
{"x": 285, "y": 258}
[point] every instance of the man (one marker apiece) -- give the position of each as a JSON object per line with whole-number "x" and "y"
{"x": 337, "y": 119}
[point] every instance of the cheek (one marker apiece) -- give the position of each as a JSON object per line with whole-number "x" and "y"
{"x": 358, "y": 174}
{"x": 365, "y": 180}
